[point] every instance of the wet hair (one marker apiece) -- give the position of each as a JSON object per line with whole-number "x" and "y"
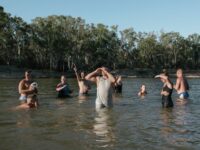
{"x": 180, "y": 69}
{"x": 31, "y": 98}
{"x": 28, "y": 71}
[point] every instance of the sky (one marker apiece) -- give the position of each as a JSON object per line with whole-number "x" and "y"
{"x": 143, "y": 15}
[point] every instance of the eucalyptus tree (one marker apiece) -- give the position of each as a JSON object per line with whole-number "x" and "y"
{"x": 194, "y": 44}
{"x": 128, "y": 44}
{"x": 5, "y": 37}
{"x": 148, "y": 50}
{"x": 174, "y": 47}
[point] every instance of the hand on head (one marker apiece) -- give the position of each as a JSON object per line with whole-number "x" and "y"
{"x": 104, "y": 69}
{"x": 98, "y": 70}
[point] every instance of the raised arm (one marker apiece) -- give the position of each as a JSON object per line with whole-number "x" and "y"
{"x": 110, "y": 76}
{"x": 161, "y": 76}
{"x": 77, "y": 75}
{"x": 92, "y": 76}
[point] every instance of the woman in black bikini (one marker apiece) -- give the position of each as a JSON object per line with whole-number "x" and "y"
{"x": 166, "y": 90}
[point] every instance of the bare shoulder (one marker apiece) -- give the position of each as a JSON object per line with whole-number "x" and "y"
{"x": 22, "y": 81}
{"x": 169, "y": 85}
{"x": 97, "y": 78}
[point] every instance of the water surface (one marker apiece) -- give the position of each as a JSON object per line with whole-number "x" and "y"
{"x": 133, "y": 122}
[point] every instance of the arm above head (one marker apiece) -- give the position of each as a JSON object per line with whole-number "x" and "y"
{"x": 110, "y": 76}
{"x": 161, "y": 76}
{"x": 77, "y": 75}
{"x": 92, "y": 76}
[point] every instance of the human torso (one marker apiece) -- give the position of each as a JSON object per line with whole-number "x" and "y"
{"x": 104, "y": 91}
{"x": 25, "y": 85}
{"x": 83, "y": 87}
{"x": 166, "y": 99}
{"x": 167, "y": 89}
{"x": 182, "y": 86}
{"x": 64, "y": 90}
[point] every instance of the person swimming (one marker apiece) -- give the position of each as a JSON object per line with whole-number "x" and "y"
{"x": 142, "y": 91}
{"x": 166, "y": 90}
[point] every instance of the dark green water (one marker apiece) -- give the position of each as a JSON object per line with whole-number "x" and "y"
{"x": 133, "y": 123}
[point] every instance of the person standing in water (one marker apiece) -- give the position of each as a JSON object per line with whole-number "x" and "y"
{"x": 83, "y": 84}
{"x": 166, "y": 90}
{"x": 118, "y": 84}
{"x": 104, "y": 81}
{"x": 63, "y": 88}
{"x": 24, "y": 87}
{"x": 181, "y": 85}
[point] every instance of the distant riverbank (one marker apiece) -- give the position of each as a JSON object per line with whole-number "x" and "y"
{"x": 17, "y": 73}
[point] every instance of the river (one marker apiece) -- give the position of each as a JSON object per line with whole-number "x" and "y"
{"x": 74, "y": 124}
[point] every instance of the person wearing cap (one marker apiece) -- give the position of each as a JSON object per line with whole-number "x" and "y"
{"x": 166, "y": 90}
{"x": 104, "y": 81}
{"x": 24, "y": 87}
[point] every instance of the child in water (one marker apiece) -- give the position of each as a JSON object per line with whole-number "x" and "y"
{"x": 142, "y": 91}
{"x": 32, "y": 100}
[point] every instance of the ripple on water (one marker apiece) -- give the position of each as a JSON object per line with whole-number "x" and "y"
{"x": 133, "y": 122}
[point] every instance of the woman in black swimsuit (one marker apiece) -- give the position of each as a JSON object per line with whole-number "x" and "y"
{"x": 166, "y": 90}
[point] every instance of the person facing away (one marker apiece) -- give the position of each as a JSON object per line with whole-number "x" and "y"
{"x": 24, "y": 87}
{"x": 166, "y": 90}
{"x": 83, "y": 84}
{"x": 118, "y": 84}
{"x": 142, "y": 91}
{"x": 63, "y": 88}
{"x": 181, "y": 85}
{"x": 104, "y": 81}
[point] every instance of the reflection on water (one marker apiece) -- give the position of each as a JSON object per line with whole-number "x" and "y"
{"x": 73, "y": 123}
{"x": 103, "y": 128}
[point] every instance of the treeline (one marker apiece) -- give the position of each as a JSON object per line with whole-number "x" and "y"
{"x": 56, "y": 42}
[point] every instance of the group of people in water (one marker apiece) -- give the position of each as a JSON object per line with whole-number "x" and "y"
{"x": 106, "y": 83}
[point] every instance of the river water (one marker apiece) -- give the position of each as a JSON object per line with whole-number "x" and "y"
{"x": 74, "y": 124}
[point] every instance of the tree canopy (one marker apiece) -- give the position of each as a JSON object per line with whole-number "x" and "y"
{"x": 56, "y": 42}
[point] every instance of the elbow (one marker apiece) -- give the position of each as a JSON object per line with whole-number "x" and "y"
{"x": 86, "y": 77}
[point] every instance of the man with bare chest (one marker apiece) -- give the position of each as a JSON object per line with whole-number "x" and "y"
{"x": 24, "y": 87}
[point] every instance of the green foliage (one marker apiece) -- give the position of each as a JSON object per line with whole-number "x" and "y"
{"x": 56, "y": 42}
